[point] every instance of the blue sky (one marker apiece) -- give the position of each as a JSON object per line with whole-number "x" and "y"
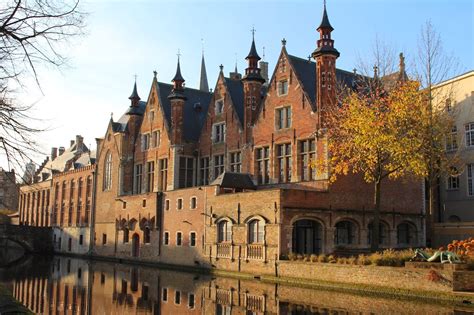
{"x": 125, "y": 38}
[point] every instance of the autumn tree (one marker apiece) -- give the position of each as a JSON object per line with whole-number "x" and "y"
{"x": 33, "y": 33}
{"x": 375, "y": 133}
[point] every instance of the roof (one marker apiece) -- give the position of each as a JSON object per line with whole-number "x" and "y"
{"x": 325, "y": 21}
{"x": 121, "y": 124}
{"x": 306, "y": 72}
{"x": 195, "y": 109}
{"x": 253, "y": 51}
{"x": 234, "y": 180}
{"x": 178, "y": 76}
{"x": 236, "y": 91}
{"x": 134, "y": 95}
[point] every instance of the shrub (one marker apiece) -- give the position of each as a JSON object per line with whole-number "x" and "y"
{"x": 313, "y": 258}
{"x": 331, "y": 259}
{"x": 352, "y": 260}
{"x": 363, "y": 260}
{"x": 292, "y": 256}
{"x": 299, "y": 257}
{"x": 341, "y": 260}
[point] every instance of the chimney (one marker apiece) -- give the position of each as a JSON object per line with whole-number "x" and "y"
{"x": 79, "y": 141}
{"x": 264, "y": 70}
{"x": 54, "y": 153}
{"x": 71, "y": 143}
{"x": 61, "y": 151}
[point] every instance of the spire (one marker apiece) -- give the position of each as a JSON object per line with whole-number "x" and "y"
{"x": 253, "y": 51}
{"x": 325, "y": 21}
{"x": 134, "y": 98}
{"x": 203, "y": 86}
{"x": 178, "y": 80}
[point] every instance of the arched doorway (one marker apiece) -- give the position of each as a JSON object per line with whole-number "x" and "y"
{"x": 135, "y": 245}
{"x": 307, "y": 236}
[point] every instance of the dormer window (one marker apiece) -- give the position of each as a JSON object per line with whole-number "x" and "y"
{"x": 282, "y": 87}
{"x": 219, "y": 107}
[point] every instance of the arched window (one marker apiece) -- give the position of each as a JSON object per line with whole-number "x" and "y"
{"x": 345, "y": 233}
{"x": 146, "y": 235}
{"x": 108, "y": 172}
{"x": 383, "y": 233}
{"x": 256, "y": 231}
{"x": 454, "y": 218}
{"x": 224, "y": 231}
{"x": 307, "y": 237}
{"x": 125, "y": 235}
{"x": 406, "y": 234}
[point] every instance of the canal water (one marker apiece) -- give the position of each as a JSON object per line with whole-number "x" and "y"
{"x": 64, "y": 285}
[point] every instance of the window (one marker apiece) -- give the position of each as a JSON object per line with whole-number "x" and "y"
{"x": 146, "y": 235}
{"x": 383, "y": 234}
{"x": 150, "y": 176}
{"x": 204, "y": 171}
{"x": 224, "y": 231}
{"x": 345, "y": 233}
{"x": 470, "y": 179}
{"x": 108, "y": 172}
{"x": 138, "y": 178}
{"x": 470, "y": 134}
{"x": 125, "y": 235}
{"x": 179, "y": 204}
{"x": 192, "y": 239}
{"x": 163, "y": 174}
{"x": 283, "y": 117}
{"x": 186, "y": 171}
{"x": 155, "y": 138}
{"x": 406, "y": 234}
{"x": 218, "y": 133}
{"x": 282, "y": 88}
{"x": 263, "y": 165}
{"x": 218, "y": 165}
{"x": 235, "y": 162}
{"x": 451, "y": 140}
{"x": 219, "y": 106}
{"x": 284, "y": 162}
{"x": 453, "y": 180}
{"x": 193, "y": 203}
{"x": 145, "y": 142}
{"x": 191, "y": 302}
{"x": 307, "y": 155}
{"x": 179, "y": 238}
{"x": 167, "y": 204}
{"x": 164, "y": 295}
{"x": 166, "y": 238}
{"x": 177, "y": 297}
{"x": 256, "y": 231}
{"x": 81, "y": 239}
{"x": 104, "y": 239}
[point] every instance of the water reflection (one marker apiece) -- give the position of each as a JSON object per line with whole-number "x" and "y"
{"x": 63, "y": 285}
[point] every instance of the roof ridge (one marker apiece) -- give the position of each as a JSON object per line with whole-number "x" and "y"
{"x": 185, "y": 88}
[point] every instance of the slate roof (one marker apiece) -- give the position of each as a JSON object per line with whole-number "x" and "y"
{"x": 325, "y": 21}
{"x": 306, "y": 72}
{"x": 194, "y": 116}
{"x": 236, "y": 91}
{"x": 234, "y": 180}
{"x": 121, "y": 124}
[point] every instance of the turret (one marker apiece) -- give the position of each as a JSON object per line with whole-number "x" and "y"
{"x": 252, "y": 82}
{"x": 325, "y": 55}
{"x": 177, "y": 99}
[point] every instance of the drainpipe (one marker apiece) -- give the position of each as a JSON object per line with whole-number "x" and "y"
{"x": 92, "y": 222}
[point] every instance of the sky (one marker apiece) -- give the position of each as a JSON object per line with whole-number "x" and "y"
{"x": 135, "y": 37}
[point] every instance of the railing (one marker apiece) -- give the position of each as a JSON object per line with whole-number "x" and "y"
{"x": 223, "y": 297}
{"x": 255, "y": 303}
{"x": 255, "y": 251}
{"x": 224, "y": 250}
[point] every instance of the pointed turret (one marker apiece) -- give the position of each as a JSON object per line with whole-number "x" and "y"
{"x": 134, "y": 98}
{"x": 178, "y": 81}
{"x": 203, "y": 85}
{"x": 253, "y": 71}
{"x": 325, "y": 21}
{"x": 325, "y": 45}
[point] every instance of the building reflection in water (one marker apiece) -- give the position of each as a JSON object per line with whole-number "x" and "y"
{"x": 75, "y": 286}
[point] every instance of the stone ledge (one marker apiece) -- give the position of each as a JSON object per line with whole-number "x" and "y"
{"x": 436, "y": 266}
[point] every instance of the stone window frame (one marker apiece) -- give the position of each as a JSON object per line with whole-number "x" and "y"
{"x": 193, "y": 306}
{"x": 179, "y": 204}
{"x": 220, "y": 168}
{"x": 309, "y": 154}
{"x": 138, "y": 178}
{"x": 452, "y": 181}
{"x": 108, "y": 166}
{"x": 235, "y": 165}
{"x": 145, "y": 141}
{"x": 204, "y": 170}
{"x": 260, "y": 233}
{"x": 452, "y": 139}
{"x": 177, "y": 297}
{"x": 191, "y": 206}
{"x": 218, "y": 109}
{"x": 283, "y": 117}
{"x": 181, "y": 238}
{"x": 262, "y": 162}
{"x": 190, "y": 238}
{"x": 166, "y": 238}
{"x": 287, "y": 162}
{"x": 282, "y": 89}
{"x": 469, "y": 134}
{"x": 470, "y": 180}
{"x": 227, "y": 234}
{"x": 155, "y": 138}
{"x": 221, "y": 136}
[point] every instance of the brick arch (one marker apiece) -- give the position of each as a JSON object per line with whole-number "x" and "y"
{"x": 256, "y": 216}
{"x": 308, "y": 217}
{"x": 222, "y": 218}
{"x": 357, "y": 232}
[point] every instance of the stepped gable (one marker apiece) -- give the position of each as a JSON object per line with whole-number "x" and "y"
{"x": 195, "y": 109}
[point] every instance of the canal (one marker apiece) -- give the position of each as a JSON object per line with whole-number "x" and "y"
{"x": 65, "y": 285}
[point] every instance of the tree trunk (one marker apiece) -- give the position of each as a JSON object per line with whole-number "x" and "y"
{"x": 374, "y": 246}
{"x": 430, "y": 218}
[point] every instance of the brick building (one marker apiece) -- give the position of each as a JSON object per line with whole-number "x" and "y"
{"x": 193, "y": 177}
{"x": 60, "y": 195}
{"x": 223, "y": 178}
{"x": 8, "y": 190}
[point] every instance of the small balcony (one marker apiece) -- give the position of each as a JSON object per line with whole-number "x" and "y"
{"x": 224, "y": 250}
{"x": 255, "y": 251}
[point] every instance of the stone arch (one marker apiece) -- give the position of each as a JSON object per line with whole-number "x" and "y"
{"x": 407, "y": 233}
{"x": 258, "y": 217}
{"x": 307, "y": 235}
{"x": 132, "y": 224}
{"x": 224, "y": 229}
{"x": 27, "y": 247}
{"x": 255, "y": 228}
{"x": 384, "y": 237}
{"x": 135, "y": 245}
{"x": 346, "y": 232}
